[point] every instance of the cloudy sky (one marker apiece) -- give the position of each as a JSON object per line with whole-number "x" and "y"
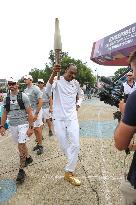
{"x": 27, "y": 30}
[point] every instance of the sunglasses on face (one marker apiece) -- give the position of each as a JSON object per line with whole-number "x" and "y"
{"x": 11, "y": 84}
{"x": 40, "y": 82}
{"x": 130, "y": 75}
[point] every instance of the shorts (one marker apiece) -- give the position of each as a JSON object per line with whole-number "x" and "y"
{"x": 18, "y": 133}
{"x": 38, "y": 122}
{"x": 46, "y": 114}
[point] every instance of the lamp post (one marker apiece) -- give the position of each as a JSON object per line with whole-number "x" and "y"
{"x": 96, "y": 70}
{"x": 97, "y": 87}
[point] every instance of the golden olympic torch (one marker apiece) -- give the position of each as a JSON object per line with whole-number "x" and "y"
{"x": 57, "y": 44}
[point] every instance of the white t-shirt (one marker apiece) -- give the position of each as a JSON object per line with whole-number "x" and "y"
{"x": 129, "y": 89}
{"x": 64, "y": 98}
{"x": 34, "y": 93}
{"x": 46, "y": 98}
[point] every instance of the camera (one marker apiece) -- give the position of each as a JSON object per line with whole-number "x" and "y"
{"x": 111, "y": 93}
{"x": 110, "y": 96}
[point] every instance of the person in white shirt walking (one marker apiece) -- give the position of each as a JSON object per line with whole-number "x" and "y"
{"x": 35, "y": 97}
{"x": 67, "y": 97}
{"x": 18, "y": 110}
{"x": 127, "y": 88}
{"x": 47, "y": 105}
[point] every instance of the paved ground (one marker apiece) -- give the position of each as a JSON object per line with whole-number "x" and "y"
{"x": 100, "y": 166}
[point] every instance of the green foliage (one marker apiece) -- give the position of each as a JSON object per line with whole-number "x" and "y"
{"x": 106, "y": 80}
{"x": 3, "y": 89}
{"x": 38, "y": 74}
{"x": 119, "y": 72}
{"x": 84, "y": 73}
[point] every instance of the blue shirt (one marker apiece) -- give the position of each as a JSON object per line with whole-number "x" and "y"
{"x": 130, "y": 110}
{"x": 1, "y": 109}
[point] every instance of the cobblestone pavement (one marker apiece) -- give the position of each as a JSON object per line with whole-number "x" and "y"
{"x": 100, "y": 165}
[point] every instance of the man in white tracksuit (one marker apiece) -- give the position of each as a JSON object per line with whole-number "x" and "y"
{"x": 67, "y": 97}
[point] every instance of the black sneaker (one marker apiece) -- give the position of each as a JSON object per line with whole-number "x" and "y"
{"x": 21, "y": 176}
{"x": 40, "y": 150}
{"x": 36, "y": 147}
{"x": 28, "y": 161}
{"x": 50, "y": 133}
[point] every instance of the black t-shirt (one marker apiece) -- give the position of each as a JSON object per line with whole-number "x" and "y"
{"x": 130, "y": 110}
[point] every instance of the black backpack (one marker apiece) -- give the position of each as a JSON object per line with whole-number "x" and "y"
{"x": 19, "y": 100}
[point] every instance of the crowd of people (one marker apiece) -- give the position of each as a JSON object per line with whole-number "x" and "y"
{"x": 59, "y": 100}
{"x": 28, "y": 111}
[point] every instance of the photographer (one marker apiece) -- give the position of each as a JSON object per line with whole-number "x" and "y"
{"x": 127, "y": 88}
{"x": 123, "y": 136}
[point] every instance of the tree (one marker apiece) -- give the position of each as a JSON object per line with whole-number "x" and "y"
{"x": 84, "y": 73}
{"x": 120, "y": 72}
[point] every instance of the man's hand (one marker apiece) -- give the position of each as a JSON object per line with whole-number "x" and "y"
{"x": 56, "y": 69}
{"x": 132, "y": 147}
{"x": 2, "y": 131}
{"x": 35, "y": 117}
{"x": 30, "y": 131}
{"x": 51, "y": 110}
{"x": 122, "y": 106}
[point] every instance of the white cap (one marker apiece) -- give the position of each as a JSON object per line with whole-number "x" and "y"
{"x": 41, "y": 80}
{"x": 129, "y": 73}
{"x": 28, "y": 77}
{"x": 11, "y": 79}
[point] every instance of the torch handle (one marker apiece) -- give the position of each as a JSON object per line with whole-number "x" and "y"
{"x": 58, "y": 60}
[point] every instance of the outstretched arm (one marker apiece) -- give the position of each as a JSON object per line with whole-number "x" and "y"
{"x": 30, "y": 120}
{"x": 123, "y": 135}
{"x": 122, "y": 105}
{"x": 80, "y": 97}
{"x": 56, "y": 69}
{"x": 51, "y": 104}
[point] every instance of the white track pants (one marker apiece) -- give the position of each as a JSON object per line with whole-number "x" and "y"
{"x": 67, "y": 133}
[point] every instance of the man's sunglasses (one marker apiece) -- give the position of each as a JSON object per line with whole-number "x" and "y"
{"x": 11, "y": 84}
{"x": 40, "y": 82}
{"x": 130, "y": 75}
